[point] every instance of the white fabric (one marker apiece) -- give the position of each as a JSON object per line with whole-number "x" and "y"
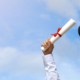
{"x": 50, "y": 67}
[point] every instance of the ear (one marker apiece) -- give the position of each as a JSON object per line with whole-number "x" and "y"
{"x": 79, "y": 30}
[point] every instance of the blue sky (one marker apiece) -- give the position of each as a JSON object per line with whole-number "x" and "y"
{"x": 25, "y": 25}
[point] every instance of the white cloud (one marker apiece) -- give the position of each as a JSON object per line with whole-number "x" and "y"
{"x": 45, "y": 16}
{"x": 5, "y": 32}
{"x": 71, "y": 72}
{"x": 16, "y": 63}
{"x": 39, "y": 0}
{"x": 7, "y": 4}
{"x": 66, "y": 8}
{"x": 76, "y": 3}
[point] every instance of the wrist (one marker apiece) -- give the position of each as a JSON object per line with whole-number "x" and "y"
{"x": 47, "y": 53}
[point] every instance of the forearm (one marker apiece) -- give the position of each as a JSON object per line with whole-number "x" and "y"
{"x": 50, "y": 67}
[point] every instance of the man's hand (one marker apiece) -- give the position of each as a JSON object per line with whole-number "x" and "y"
{"x": 46, "y": 44}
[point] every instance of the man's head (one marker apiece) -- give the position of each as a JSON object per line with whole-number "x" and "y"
{"x": 79, "y": 30}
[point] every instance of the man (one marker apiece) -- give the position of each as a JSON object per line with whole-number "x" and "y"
{"x": 49, "y": 64}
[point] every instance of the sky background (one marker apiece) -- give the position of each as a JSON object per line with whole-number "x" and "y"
{"x": 25, "y": 25}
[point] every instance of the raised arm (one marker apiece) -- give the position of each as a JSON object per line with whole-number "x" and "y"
{"x": 49, "y": 64}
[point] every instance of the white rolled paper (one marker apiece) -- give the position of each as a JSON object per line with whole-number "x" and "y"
{"x": 64, "y": 29}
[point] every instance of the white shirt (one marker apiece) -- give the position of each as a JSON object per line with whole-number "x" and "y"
{"x": 50, "y": 67}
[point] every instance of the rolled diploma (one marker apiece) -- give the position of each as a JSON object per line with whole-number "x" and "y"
{"x": 64, "y": 29}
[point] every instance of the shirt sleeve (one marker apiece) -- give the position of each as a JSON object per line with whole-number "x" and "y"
{"x": 50, "y": 67}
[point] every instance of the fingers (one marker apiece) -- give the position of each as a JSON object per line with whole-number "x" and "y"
{"x": 47, "y": 43}
{"x": 49, "y": 40}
